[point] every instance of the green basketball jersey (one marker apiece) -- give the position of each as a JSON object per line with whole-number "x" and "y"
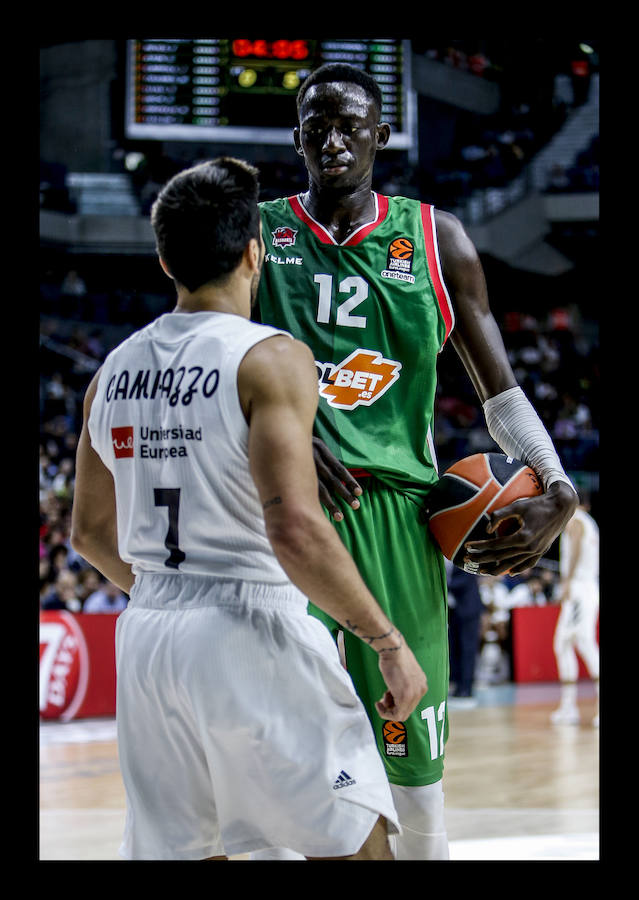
{"x": 375, "y": 312}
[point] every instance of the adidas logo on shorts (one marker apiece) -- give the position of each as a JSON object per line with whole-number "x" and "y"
{"x": 343, "y": 780}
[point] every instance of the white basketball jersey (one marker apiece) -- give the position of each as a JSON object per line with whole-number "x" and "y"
{"x": 167, "y": 422}
{"x": 587, "y": 568}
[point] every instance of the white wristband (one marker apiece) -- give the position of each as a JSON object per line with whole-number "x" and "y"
{"x": 517, "y": 429}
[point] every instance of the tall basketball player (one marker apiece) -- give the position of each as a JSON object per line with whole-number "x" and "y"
{"x": 196, "y": 492}
{"x": 375, "y": 286}
{"x": 576, "y": 629}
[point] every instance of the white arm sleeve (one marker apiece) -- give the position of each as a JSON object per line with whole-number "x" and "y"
{"x": 515, "y": 427}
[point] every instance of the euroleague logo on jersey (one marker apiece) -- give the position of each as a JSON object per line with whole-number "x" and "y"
{"x": 399, "y": 260}
{"x": 284, "y": 236}
{"x": 359, "y": 380}
{"x": 122, "y": 439}
{"x": 395, "y": 743}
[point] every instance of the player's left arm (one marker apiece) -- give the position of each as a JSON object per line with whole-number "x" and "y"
{"x": 93, "y": 516}
{"x": 510, "y": 418}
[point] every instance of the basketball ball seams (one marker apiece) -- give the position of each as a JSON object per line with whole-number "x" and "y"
{"x": 458, "y": 489}
{"x": 506, "y": 488}
{"x": 457, "y": 477}
{"x": 468, "y": 469}
{"x": 462, "y": 525}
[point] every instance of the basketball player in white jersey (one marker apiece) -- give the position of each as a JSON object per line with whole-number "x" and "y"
{"x": 576, "y": 629}
{"x": 196, "y": 493}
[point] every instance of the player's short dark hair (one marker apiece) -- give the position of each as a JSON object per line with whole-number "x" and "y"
{"x": 204, "y": 217}
{"x": 332, "y": 72}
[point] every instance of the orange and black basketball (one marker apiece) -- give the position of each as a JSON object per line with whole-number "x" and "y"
{"x": 459, "y": 505}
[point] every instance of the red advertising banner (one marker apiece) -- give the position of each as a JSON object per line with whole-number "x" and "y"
{"x": 77, "y": 665}
{"x": 533, "y": 629}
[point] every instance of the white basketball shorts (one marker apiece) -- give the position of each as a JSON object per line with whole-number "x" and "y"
{"x": 238, "y": 727}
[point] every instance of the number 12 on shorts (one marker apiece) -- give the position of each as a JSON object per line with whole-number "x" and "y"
{"x": 436, "y": 739}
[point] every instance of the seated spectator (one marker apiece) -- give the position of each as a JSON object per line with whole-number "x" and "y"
{"x": 73, "y": 294}
{"x": 107, "y": 599}
{"x": 58, "y": 558}
{"x": 529, "y": 592}
{"x": 495, "y": 657}
{"x": 63, "y": 593}
{"x": 89, "y": 581}
{"x": 495, "y": 597}
{"x": 558, "y": 179}
{"x": 45, "y": 576}
{"x": 64, "y": 479}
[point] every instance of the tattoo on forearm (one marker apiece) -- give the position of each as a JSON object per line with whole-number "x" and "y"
{"x": 369, "y": 638}
{"x": 272, "y": 502}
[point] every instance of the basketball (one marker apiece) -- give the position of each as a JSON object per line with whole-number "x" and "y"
{"x": 459, "y": 505}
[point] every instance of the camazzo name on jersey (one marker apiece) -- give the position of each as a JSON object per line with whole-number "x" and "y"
{"x": 176, "y": 386}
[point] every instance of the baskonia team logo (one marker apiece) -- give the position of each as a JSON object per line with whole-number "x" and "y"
{"x": 284, "y": 236}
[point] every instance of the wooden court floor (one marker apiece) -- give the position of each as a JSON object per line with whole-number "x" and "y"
{"x": 516, "y": 786}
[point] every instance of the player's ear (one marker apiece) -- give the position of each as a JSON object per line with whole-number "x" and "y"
{"x": 383, "y": 135}
{"x": 165, "y": 268}
{"x": 297, "y": 140}
{"x": 254, "y": 253}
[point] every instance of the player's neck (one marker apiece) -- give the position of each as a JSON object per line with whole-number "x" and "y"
{"x": 340, "y": 213}
{"x": 211, "y": 300}
{"x": 232, "y": 294}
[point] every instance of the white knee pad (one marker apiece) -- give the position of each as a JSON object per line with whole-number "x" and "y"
{"x": 421, "y": 815}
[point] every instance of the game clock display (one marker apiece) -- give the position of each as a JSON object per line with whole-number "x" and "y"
{"x": 243, "y": 90}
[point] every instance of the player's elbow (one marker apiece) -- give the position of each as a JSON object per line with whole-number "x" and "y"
{"x": 80, "y": 540}
{"x": 86, "y": 537}
{"x": 295, "y": 535}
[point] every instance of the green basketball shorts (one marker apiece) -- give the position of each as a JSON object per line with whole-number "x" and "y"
{"x": 404, "y": 571}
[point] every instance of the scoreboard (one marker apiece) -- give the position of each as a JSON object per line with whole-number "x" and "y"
{"x": 243, "y": 90}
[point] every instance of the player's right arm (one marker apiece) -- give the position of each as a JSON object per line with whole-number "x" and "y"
{"x": 571, "y": 542}
{"x": 93, "y": 516}
{"x": 277, "y": 384}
